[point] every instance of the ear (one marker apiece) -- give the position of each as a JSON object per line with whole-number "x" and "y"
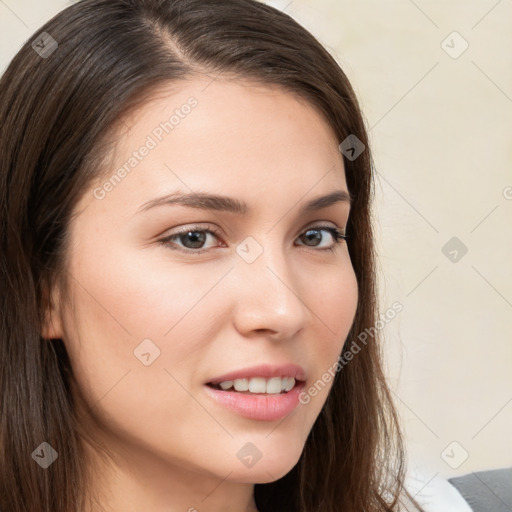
{"x": 52, "y": 322}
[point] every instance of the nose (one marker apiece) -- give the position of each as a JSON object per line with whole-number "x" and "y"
{"x": 270, "y": 295}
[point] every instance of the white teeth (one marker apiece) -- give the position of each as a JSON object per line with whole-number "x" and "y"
{"x": 288, "y": 383}
{"x": 274, "y": 385}
{"x": 241, "y": 384}
{"x": 258, "y": 385}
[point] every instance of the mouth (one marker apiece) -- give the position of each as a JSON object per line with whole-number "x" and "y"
{"x": 264, "y": 393}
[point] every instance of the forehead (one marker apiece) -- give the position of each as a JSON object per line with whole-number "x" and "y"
{"x": 224, "y": 135}
{"x": 221, "y": 113}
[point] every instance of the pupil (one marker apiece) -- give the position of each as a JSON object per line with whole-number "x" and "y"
{"x": 316, "y": 234}
{"x": 197, "y": 237}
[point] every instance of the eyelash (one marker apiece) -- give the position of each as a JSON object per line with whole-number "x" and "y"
{"x": 337, "y": 235}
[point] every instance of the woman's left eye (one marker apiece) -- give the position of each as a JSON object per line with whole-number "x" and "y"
{"x": 194, "y": 238}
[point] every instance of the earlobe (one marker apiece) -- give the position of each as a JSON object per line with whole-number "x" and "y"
{"x": 52, "y": 324}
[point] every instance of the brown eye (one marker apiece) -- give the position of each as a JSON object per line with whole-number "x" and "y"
{"x": 314, "y": 235}
{"x": 191, "y": 240}
{"x": 197, "y": 239}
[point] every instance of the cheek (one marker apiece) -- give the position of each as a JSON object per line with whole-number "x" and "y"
{"x": 333, "y": 303}
{"x": 335, "y": 300}
{"x": 127, "y": 314}
{"x": 142, "y": 329}
{"x": 335, "y": 306}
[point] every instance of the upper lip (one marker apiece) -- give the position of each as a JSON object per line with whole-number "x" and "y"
{"x": 263, "y": 370}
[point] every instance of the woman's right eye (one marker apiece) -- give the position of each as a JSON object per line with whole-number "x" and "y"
{"x": 197, "y": 236}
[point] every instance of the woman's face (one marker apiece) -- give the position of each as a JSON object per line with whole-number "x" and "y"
{"x": 156, "y": 317}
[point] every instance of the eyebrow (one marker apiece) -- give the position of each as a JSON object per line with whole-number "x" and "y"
{"x": 222, "y": 203}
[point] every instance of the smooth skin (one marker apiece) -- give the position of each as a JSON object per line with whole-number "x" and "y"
{"x": 175, "y": 448}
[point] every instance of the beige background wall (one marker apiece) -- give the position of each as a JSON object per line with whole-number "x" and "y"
{"x": 440, "y": 124}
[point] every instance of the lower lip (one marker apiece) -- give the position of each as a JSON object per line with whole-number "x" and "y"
{"x": 263, "y": 407}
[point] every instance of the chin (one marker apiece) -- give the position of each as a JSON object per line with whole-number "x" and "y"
{"x": 273, "y": 464}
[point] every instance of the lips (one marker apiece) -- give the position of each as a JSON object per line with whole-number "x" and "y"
{"x": 264, "y": 392}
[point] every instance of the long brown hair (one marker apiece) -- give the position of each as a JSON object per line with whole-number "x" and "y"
{"x": 62, "y": 92}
